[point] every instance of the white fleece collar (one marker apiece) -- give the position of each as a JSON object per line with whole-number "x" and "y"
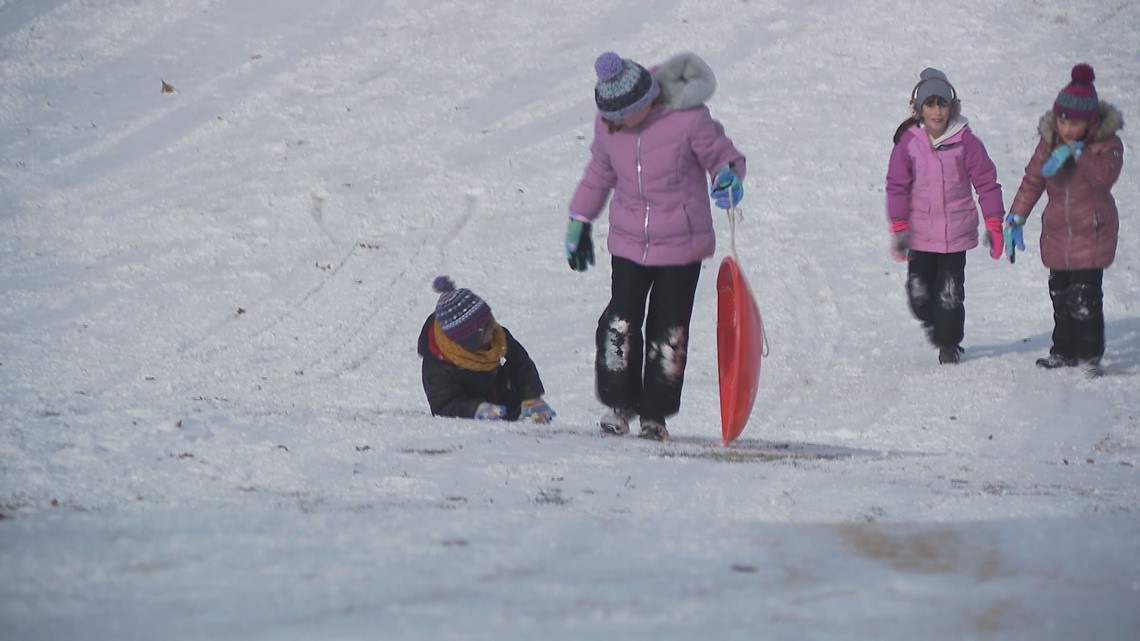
{"x": 952, "y": 128}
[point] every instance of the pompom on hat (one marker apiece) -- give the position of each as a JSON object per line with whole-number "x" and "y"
{"x": 623, "y": 88}
{"x": 460, "y": 313}
{"x": 1078, "y": 100}
{"x": 932, "y": 82}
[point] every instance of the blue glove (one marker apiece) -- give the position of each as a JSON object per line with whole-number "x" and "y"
{"x": 490, "y": 412}
{"x": 1060, "y": 156}
{"x": 1013, "y": 236}
{"x": 537, "y": 410}
{"x": 727, "y": 190}
{"x": 579, "y": 246}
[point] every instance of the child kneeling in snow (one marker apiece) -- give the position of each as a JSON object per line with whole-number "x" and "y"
{"x": 472, "y": 366}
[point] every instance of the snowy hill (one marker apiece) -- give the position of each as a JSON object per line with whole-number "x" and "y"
{"x": 211, "y": 418}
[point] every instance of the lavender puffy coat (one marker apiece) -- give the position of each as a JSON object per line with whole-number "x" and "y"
{"x": 658, "y": 172}
{"x": 928, "y": 185}
{"x": 1080, "y": 223}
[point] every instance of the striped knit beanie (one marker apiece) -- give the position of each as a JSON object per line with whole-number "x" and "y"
{"x": 1078, "y": 101}
{"x": 623, "y": 88}
{"x": 460, "y": 313}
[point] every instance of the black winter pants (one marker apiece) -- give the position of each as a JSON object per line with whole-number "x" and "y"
{"x": 1078, "y": 313}
{"x": 650, "y": 388}
{"x": 936, "y": 290}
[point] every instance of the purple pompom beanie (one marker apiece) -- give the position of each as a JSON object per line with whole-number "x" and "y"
{"x": 1078, "y": 100}
{"x": 461, "y": 314}
{"x": 623, "y": 88}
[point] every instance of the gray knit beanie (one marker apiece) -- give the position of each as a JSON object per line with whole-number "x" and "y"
{"x": 932, "y": 82}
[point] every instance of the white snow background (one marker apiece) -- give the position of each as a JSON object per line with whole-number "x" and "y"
{"x": 211, "y": 418}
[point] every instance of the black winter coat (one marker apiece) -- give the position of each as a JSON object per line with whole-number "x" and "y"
{"x": 454, "y": 391}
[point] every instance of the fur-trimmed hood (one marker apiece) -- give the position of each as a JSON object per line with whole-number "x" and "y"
{"x": 1111, "y": 121}
{"x": 686, "y": 81}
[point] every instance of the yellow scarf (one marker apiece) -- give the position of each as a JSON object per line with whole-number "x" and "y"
{"x": 484, "y": 360}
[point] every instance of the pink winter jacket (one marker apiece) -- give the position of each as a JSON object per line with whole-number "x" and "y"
{"x": 658, "y": 173}
{"x": 928, "y": 186}
{"x": 1080, "y": 223}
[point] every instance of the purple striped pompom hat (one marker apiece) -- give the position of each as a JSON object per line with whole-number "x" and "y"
{"x": 460, "y": 313}
{"x": 623, "y": 88}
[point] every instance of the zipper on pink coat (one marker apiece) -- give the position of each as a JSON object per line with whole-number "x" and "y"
{"x": 641, "y": 190}
{"x": 942, "y": 182}
{"x": 1068, "y": 226}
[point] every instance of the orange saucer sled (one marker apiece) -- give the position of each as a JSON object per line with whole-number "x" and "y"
{"x": 739, "y": 347}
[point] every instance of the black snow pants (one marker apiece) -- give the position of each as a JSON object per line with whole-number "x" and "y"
{"x": 1078, "y": 313}
{"x": 651, "y": 387}
{"x": 936, "y": 290}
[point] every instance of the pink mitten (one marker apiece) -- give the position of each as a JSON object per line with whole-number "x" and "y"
{"x": 993, "y": 239}
{"x": 900, "y": 250}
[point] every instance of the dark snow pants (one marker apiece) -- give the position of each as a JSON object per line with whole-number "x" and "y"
{"x": 649, "y": 388}
{"x": 1078, "y": 313}
{"x": 936, "y": 290}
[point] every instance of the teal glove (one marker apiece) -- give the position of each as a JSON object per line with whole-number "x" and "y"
{"x": 727, "y": 190}
{"x": 1060, "y": 156}
{"x": 490, "y": 412}
{"x": 579, "y": 246}
{"x": 1013, "y": 236}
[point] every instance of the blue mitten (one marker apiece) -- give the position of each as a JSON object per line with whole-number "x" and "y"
{"x": 490, "y": 412}
{"x": 1013, "y": 236}
{"x": 727, "y": 189}
{"x": 579, "y": 246}
{"x": 1060, "y": 156}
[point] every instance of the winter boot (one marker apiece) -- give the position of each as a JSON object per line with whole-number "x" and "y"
{"x": 653, "y": 429}
{"x": 615, "y": 421}
{"x": 1054, "y": 361}
{"x": 1091, "y": 368}
{"x": 950, "y": 355}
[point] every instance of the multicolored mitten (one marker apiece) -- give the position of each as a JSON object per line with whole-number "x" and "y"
{"x": 537, "y": 410}
{"x": 490, "y": 412}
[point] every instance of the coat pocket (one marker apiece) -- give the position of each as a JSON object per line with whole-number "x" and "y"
{"x": 921, "y": 222}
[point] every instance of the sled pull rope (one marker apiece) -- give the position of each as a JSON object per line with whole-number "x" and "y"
{"x": 735, "y": 215}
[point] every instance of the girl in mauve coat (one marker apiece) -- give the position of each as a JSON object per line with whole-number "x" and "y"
{"x": 931, "y": 212}
{"x": 655, "y": 148}
{"x": 1076, "y": 162}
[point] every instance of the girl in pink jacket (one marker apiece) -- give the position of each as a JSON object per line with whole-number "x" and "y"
{"x": 1076, "y": 162}
{"x": 931, "y": 212}
{"x": 655, "y": 147}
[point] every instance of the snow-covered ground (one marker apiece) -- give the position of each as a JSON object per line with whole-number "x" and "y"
{"x": 211, "y": 419}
